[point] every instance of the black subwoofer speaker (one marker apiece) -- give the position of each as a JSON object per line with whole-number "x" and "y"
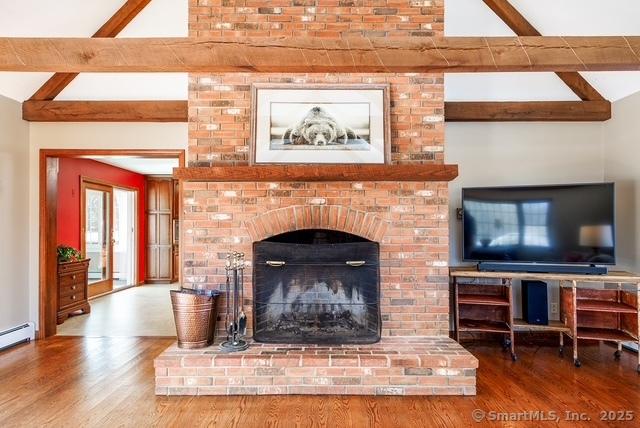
{"x": 534, "y": 302}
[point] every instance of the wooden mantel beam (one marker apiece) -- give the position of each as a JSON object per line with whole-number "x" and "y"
{"x": 313, "y": 55}
{"x": 123, "y": 16}
{"x": 522, "y": 27}
{"x": 176, "y": 111}
{"x": 307, "y": 173}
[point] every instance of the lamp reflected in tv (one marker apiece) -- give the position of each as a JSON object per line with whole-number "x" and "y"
{"x": 597, "y": 237}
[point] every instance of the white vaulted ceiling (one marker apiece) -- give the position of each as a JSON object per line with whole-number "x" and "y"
{"x": 81, "y": 18}
{"x": 168, "y": 18}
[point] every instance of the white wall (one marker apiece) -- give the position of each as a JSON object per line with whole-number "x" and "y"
{"x": 518, "y": 153}
{"x": 14, "y": 205}
{"x": 86, "y": 136}
{"x": 621, "y": 148}
{"x": 487, "y": 154}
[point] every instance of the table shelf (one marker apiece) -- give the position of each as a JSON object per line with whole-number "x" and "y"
{"x": 522, "y": 325}
{"x": 609, "y": 334}
{"x": 604, "y": 306}
{"x": 484, "y": 325}
{"x": 482, "y": 299}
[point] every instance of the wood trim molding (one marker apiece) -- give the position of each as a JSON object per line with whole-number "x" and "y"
{"x": 307, "y": 173}
{"x": 522, "y": 27}
{"x": 530, "y": 111}
{"x": 104, "y": 111}
{"x": 47, "y": 261}
{"x": 143, "y": 153}
{"x": 90, "y": 180}
{"x": 106, "y": 285}
{"x": 123, "y": 16}
{"x": 313, "y": 55}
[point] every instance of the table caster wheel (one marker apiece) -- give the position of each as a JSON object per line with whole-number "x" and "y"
{"x": 514, "y": 357}
{"x": 506, "y": 344}
{"x": 616, "y": 355}
{"x": 561, "y": 352}
{"x": 577, "y": 362}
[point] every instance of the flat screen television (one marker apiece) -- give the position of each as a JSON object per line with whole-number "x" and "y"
{"x": 572, "y": 224}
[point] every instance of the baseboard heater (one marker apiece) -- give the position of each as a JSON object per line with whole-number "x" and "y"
{"x": 19, "y": 334}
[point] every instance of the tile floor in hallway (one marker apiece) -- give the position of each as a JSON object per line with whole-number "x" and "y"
{"x": 138, "y": 311}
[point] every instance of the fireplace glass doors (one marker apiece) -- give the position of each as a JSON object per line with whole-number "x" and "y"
{"x": 316, "y": 286}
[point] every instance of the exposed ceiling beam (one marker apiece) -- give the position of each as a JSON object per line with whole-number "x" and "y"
{"x": 314, "y": 55}
{"x": 580, "y": 86}
{"x": 56, "y": 83}
{"x": 176, "y": 111}
{"x": 522, "y": 27}
{"x": 512, "y": 17}
{"x": 104, "y": 111}
{"x": 528, "y": 111}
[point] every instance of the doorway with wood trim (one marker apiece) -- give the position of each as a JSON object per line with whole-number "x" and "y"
{"x": 129, "y": 234}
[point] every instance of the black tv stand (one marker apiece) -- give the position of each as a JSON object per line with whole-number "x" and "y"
{"x": 542, "y": 268}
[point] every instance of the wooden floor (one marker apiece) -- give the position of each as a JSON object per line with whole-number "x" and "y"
{"x": 126, "y": 313}
{"x": 102, "y": 381}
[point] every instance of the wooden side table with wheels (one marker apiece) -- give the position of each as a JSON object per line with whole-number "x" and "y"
{"x": 609, "y": 315}
{"x": 482, "y": 307}
{"x": 483, "y": 303}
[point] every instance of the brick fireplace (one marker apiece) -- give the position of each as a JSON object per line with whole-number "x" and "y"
{"x": 407, "y": 220}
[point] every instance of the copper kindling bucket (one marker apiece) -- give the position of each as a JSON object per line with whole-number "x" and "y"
{"x": 195, "y": 313}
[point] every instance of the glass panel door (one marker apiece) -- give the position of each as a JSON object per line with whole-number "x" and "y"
{"x": 124, "y": 238}
{"x": 98, "y": 236}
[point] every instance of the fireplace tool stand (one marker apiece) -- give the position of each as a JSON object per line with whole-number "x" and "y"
{"x": 235, "y": 318}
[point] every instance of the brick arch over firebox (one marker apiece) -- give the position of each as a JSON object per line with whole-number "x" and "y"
{"x": 332, "y": 217}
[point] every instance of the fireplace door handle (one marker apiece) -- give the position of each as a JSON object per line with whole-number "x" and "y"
{"x": 275, "y": 263}
{"x": 355, "y": 263}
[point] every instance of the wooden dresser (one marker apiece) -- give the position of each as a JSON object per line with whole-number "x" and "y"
{"x": 72, "y": 289}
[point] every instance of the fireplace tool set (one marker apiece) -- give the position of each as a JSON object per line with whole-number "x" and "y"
{"x": 235, "y": 318}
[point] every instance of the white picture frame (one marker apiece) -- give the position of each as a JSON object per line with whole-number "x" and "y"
{"x": 320, "y": 124}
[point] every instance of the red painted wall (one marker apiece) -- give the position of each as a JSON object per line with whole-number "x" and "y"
{"x": 69, "y": 175}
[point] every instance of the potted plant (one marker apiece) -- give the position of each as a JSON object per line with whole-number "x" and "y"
{"x": 68, "y": 254}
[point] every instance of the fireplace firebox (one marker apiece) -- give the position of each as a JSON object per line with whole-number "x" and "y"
{"x": 316, "y": 286}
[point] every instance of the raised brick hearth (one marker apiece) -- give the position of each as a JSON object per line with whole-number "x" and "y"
{"x": 409, "y": 220}
{"x": 394, "y": 366}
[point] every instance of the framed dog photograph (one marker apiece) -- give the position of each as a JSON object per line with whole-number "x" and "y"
{"x": 320, "y": 124}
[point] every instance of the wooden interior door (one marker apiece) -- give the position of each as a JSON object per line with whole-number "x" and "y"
{"x": 97, "y": 235}
{"x": 176, "y": 231}
{"x": 160, "y": 234}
